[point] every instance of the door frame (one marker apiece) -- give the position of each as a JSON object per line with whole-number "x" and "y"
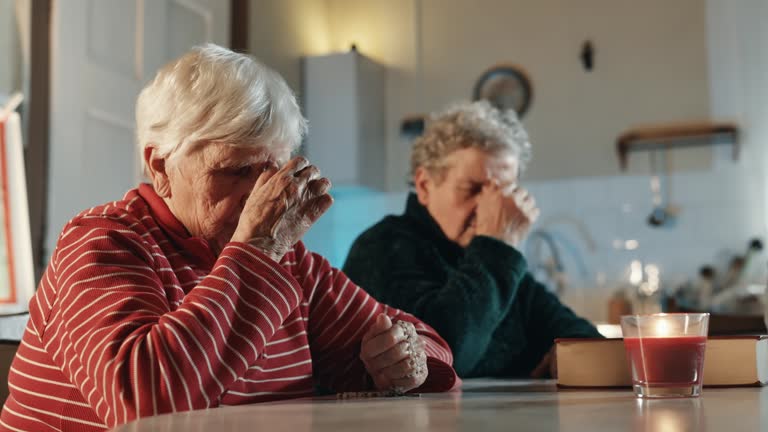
{"x": 38, "y": 127}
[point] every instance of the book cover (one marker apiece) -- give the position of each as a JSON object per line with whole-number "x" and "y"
{"x": 728, "y": 361}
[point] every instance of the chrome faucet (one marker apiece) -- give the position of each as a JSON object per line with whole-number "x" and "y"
{"x": 553, "y": 268}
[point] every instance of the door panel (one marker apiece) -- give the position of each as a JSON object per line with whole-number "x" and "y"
{"x": 187, "y": 22}
{"x": 111, "y": 35}
{"x": 103, "y": 53}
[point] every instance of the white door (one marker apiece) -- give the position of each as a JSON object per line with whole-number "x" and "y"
{"x": 103, "y": 52}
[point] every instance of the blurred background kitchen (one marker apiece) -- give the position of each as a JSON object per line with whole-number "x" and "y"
{"x": 649, "y": 122}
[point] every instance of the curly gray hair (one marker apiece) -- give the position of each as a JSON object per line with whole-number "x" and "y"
{"x": 465, "y": 125}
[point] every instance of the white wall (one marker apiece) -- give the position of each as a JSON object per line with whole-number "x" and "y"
{"x": 738, "y": 65}
{"x": 282, "y": 31}
{"x": 10, "y": 50}
{"x": 650, "y": 67}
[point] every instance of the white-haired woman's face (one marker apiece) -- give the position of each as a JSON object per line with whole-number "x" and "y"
{"x": 451, "y": 198}
{"x": 209, "y": 187}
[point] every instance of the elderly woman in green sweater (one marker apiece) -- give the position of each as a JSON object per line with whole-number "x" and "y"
{"x": 453, "y": 260}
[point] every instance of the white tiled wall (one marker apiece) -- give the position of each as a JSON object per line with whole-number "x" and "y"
{"x": 354, "y": 210}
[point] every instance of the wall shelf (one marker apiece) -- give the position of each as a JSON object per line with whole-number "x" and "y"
{"x": 670, "y": 136}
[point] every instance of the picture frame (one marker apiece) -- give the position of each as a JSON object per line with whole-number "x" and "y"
{"x": 17, "y": 283}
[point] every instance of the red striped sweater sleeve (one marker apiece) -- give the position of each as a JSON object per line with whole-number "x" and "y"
{"x": 340, "y": 314}
{"x": 115, "y": 336}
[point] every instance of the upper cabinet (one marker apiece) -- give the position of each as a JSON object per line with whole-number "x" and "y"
{"x": 343, "y": 97}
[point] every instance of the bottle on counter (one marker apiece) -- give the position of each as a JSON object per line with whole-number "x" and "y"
{"x": 705, "y": 287}
{"x": 742, "y": 290}
{"x": 618, "y": 305}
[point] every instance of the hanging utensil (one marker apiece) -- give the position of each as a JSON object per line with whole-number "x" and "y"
{"x": 664, "y": 213}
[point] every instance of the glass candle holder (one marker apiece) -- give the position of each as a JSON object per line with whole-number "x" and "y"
{"x": 666, "y": 353}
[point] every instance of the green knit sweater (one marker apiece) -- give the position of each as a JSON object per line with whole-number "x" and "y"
{"x": 497, "y": 319}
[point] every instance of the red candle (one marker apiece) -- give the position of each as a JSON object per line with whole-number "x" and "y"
{"x": 666, "y": 361}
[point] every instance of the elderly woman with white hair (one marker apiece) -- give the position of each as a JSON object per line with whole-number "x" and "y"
{"x": 195, "y": 291}
{"x": 452, "y": 260}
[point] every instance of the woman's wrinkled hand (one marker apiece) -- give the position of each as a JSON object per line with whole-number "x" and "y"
{"x": 282, "y": 206}
{"x": 393, "y": 355}
{"x": 505, "y": 214}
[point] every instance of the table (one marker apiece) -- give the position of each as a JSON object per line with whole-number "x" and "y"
{"x": 12, "y": 326}
{"x": 485, "y": 404}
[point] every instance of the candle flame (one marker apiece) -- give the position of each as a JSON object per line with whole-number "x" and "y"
{"x": 663, "y": 328}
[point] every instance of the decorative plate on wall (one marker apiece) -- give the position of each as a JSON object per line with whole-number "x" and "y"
{"x": 505, "y": 86}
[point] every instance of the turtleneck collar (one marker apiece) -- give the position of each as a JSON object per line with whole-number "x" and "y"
{"x": 193, "y": 246}
{"x": 419, "y": 214}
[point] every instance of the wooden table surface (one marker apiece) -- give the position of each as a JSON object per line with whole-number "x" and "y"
{"x": 486, "y": 405}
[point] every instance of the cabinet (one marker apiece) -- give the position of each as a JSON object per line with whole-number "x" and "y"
{"x": 343, "y": 97}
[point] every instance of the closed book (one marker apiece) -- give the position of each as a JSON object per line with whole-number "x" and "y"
{"x": 728, "y": 361}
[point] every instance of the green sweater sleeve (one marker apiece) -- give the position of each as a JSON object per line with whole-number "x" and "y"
{"x": 546, "y": 319}
{"x": 464, "y": 303}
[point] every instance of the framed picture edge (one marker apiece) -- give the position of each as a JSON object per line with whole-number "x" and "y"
{"x": 18, "y": 228}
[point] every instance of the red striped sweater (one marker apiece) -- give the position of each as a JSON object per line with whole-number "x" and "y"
{"x": 133, "y": 318}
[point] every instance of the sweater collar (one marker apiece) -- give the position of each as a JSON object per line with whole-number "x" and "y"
{"x": 419, "y": 214}
{"x": 192, "y": 246}
{"x": 162, "y": 212}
